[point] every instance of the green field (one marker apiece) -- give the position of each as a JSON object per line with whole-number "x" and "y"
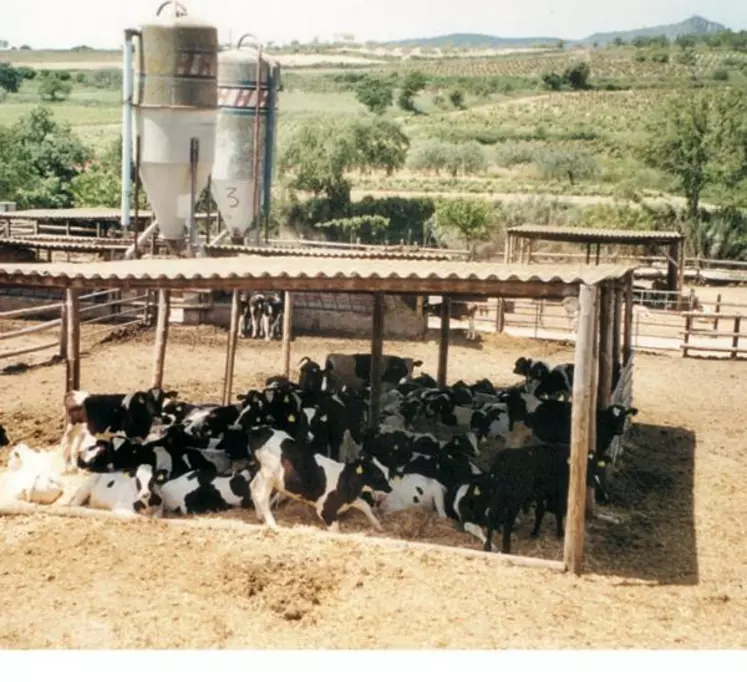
{"x": 520, "y": 129}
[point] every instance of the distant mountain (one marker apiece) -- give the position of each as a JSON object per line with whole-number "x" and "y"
{"x": 471, "y": 41}
{"x": 695, "y": 25}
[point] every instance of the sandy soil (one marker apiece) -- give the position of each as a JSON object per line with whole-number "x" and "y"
{"x": 667, "y": 563}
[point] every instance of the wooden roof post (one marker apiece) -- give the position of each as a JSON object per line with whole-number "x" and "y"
{"x": 233, "y": 335}
{"x": 72, "y": 330}
{"x": 606, "y": 353}
{"x": 162, "y": 332}
{"x": 287, "y": 332}
{"x": 377, "y": 349}
{"x": 617, "y": 313}
{"x": 628, "y": 321}
{"x": 443, "y": 346}
{"x": 583, "y": 389}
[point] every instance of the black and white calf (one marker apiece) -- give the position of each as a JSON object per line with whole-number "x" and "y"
{"x": 414, "y": 490}
{"x": 123, "y": 492}
{"x": 292, "y": 468}
{"x": 102, "y": 415}
{"x": 199, "y": 492}
{"x": 264, "y": 312}
{"x": 544, "y": 381}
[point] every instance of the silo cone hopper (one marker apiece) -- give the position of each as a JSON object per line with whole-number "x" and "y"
{"x": 175, "y": 109}
{"x": 241, "y": 131}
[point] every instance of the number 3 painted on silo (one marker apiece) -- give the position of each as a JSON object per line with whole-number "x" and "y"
{"x": 231, "y": 195}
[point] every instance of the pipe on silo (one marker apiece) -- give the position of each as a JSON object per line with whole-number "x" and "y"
{"x": 127, "y": 97}
{"x": 270, "y": 135}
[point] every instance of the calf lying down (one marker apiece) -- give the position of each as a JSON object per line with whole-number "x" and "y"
{"x": 123, "y": 492}
{"x": 414, "y": 491}
{"x": 33, "y": 476}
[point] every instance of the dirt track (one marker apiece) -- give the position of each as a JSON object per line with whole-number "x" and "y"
{"x": 670, "y": 574}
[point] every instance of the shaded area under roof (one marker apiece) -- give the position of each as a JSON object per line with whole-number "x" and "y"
{"x": 594, "y": 235}
{"x": 82, "y": 213}
{"x": 300, "y": 273}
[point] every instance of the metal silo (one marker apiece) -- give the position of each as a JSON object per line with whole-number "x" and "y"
{"x": 247, "y": 83}
{"x": 174, "y": 107}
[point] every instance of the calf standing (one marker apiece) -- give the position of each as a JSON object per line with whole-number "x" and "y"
{"x": 331, "y": 487}
{"x": 102, "y": 415}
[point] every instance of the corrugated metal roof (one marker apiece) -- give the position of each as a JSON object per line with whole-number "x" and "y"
{"x": 303, "y": 273}
{"x": 83, "y": 213}
{"x": 391, "y": 253}
{"x": 592, "y": 234}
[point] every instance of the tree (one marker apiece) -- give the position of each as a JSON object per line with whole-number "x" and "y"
{"x": 379, "y": 145}
{"x": 322, "y": 152}
{"x": 375, "y": 94}
{"x": 577, "y": 76}
{"x": 54, "y": 87}
{"x": 10, "y": 77}
{"x": 54, "y": 154}
{"x": 700, "y": 139}
{"x": 471, "y": 218}
{"x": 413, "y": 83}
{"x": 552, "y": 81}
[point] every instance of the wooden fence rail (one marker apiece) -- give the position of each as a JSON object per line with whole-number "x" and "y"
{"x": 690, "y": 344}
{"x": 138, "y": 311}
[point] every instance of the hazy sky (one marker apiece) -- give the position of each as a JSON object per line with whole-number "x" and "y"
{"x": 99, "y": 23}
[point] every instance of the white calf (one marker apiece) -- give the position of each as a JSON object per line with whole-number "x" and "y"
{"x": 414, "y": 490}
{"x": 123, "y": 492}
{"x": 33, "y": 475}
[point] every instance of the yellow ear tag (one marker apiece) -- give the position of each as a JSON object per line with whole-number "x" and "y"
{"x": 396, "y": 447}
{"x": 291, "y": 419}
{"x": 323, "y": 419}
{"x": 477, "y": 492}
{"x": 359, "y": 470}
{"x": 568, "y": 461}
{"x": 141, "y": 400}
{"x": 287, "y": 399}
{"x": 601, "y": 465}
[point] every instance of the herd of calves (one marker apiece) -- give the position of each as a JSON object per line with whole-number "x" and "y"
{"x": 148, "y": 452}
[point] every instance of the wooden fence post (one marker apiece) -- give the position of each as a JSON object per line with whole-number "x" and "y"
{"x": 688, "y": 330}
{"x": 718, "y": 310}
{"x": 233, "y": 333}
{"x": 287, "y": 332}
{"x": 63, "y": 332}
{"x": 735, "y": 340}
{"x": 72, "y": 326}
{"x": 162, "y": 332}
{"x": 443, "y": 346}
{"x": 500, "y": 315}
{"x": 377, "y": 349}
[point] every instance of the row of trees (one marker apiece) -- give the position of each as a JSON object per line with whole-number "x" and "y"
{"x": 51, "y": 85}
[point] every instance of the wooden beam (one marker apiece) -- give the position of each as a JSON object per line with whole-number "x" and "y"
{"x": 573, "y": 550}
{"x": 606, "y": 352}
{"x": 287, "y": 332}
{"x": 377, "y": 350}
{"x": 507, "y": 249}
{"x": 628, "y": 322}
{"x": 72, "y": 330}
{"x": 162, "y": 333}
{"x": 588, "y": 253}
{"x": 411, "y": 286}
{"x": 680, "y": 264}
{"x": 233, "y": 335}
{"x": 443, "y": 345}
{"x": 617, "y": 314}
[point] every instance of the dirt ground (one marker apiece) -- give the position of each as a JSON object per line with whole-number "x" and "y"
{"x": 668, "y": 562}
